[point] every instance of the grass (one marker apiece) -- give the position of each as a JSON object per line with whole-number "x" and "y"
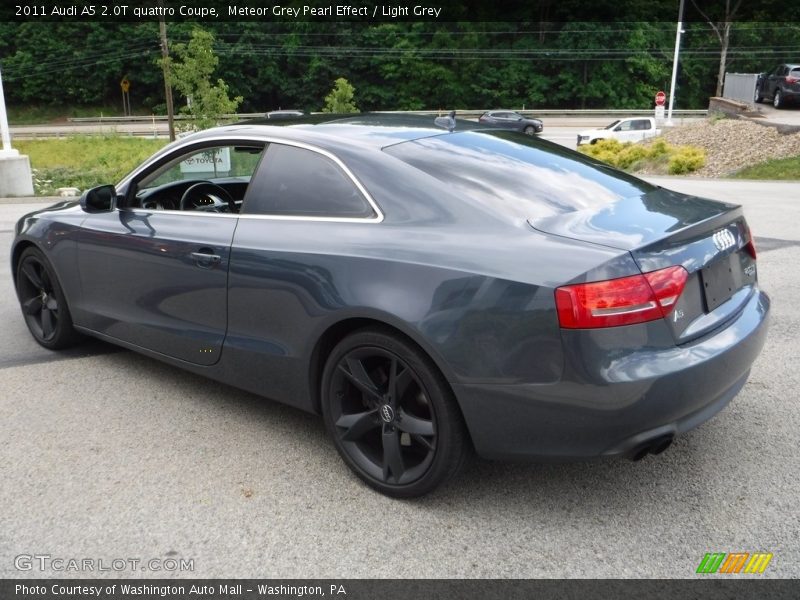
{"x": 776, "y": 168}
{"x": 84, "y": 161}
{"x": 35, "y": 115}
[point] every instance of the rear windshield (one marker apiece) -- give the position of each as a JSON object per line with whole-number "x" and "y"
{"x": 517, "y": 175}
{"x": 795, "y": 72}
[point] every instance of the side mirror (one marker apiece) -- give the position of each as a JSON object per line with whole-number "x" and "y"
{"x": 99, "y": 199}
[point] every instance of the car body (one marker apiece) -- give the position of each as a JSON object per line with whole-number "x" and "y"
{"x": 781, "y": 86}
{"x": 512, "y": 121}
{"x": 427, "y": 291}
{"x": 633, "y": 129}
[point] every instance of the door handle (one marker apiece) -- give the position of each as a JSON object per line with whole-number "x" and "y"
{"x": 205, "y": 258}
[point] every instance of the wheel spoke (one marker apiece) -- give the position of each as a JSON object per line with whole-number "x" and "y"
{"x": 392, "y": 455}
{"x": 424, "y": 442}
{"x": 414, "y": 425}
{"x": 357, "y": 424}
{"x": 359, "y": 377}
{"x": 32, "y": 306}
{"x": 47, "y": 322}
{"x": 46, "y": 283}
{"x": 397, "y": 381}
{"x": 33, "y": 277}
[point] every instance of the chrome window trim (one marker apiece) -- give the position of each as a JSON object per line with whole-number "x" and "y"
{"x": 376, "y": 218}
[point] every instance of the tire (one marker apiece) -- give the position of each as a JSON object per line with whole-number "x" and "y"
{"x": 777, "y": 99}
{"x": 43, "y": 303}
{"x": 391, "y": 414}
{"x": 757, "y": 97}
{"x": 594, "y": 141}
{"x": 529, "y": 130}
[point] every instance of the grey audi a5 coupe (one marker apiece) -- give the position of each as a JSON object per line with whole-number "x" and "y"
{"x": 429, "y": 292}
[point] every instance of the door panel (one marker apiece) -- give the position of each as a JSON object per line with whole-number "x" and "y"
{"x": 158, "y": 280}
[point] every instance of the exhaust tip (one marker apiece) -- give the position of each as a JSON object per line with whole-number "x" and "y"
{"x": 655, "y": 446}
{"x": 661, "y": 444}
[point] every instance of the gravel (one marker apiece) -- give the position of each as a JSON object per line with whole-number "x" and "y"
{"x": 732, "y": 145}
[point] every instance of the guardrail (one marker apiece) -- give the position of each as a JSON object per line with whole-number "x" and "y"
{"x": 465, "y": 113}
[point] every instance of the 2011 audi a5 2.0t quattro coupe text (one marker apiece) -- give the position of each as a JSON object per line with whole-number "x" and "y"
{"x": 428, "y": 291}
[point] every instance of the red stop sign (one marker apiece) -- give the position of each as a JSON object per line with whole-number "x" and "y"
{"x": 661, "y": 97}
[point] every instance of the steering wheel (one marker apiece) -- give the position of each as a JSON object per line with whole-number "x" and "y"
{"x": 205, "y": 195}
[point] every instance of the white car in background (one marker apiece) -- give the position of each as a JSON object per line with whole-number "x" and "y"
{"x": 634, "y": 129}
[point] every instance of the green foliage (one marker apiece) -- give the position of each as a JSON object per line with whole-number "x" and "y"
{"x": 340, "y": 100}
{"x": 778, "y": 168}
{"x": 686, "y": 159}
{"x": 657, "y": 156}
{"x": 549, "y": 61}
{"x": 84, "y": 161}
{"x": 190, "y": 74}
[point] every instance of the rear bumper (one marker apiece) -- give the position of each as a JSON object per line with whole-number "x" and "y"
{"x": 612, "y": 407}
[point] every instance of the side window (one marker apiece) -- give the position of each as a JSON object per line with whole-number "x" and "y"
{"x": 642, "y": 124}
{"x": 223, "y": 170}
{"x": 297, "y": 182}
{"x": 625, "y": 126}
{"x": 206, "y": 163}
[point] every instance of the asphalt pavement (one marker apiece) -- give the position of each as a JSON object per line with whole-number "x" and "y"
{"x": 111, "y": 455}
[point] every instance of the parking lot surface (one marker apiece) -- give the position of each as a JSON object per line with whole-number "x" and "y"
{"x": 107, "y": 454}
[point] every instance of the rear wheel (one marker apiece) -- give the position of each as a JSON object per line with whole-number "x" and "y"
{"x": 43, "y": 304}
{"x": 391, "y": 414}
{"x": 777, "y": 99}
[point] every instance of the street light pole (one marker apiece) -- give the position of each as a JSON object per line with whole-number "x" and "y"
{"x": 678, "y": 33}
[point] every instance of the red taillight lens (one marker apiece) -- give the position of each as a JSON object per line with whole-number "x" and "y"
{"x": 750, "y": 246}
{"x": 623, "y": 301}
{"x": 790, "y": 79}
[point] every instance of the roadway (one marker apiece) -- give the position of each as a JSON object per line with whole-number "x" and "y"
{"x": 108, "y": 454}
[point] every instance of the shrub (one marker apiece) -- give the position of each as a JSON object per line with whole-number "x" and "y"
{"x": 657, "y": 156}
{"x": 686, "y": 159}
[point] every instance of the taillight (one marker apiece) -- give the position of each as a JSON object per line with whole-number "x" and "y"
{"x": 622, "y": 301}
{"x": 750, "y": 246}
{"x": 790, "y": 79}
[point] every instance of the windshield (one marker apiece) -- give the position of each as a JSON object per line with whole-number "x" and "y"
{"x": 614, "y": 124}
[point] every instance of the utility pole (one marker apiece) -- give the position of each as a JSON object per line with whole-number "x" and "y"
{"x": 675, "y": 64}
{"x": 162, "y": 28}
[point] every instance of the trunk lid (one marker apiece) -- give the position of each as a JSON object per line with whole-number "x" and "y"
{"x": 662, "y": 228}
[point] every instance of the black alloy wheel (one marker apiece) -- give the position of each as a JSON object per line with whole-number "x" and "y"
{"x": 777, "y": 99}
{"x": 391, "y": 414}
{"x": 42, "y": 302}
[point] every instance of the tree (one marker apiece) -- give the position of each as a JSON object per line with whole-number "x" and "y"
{"x": 340, "y": 100}
{"x": 191, "y": 75}
{"x": 722, "y": 29}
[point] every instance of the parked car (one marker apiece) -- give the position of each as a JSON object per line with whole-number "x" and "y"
{"x": 780, "y": 87}
{"x": 284, "y": 114}
{"x": 427, "y": 292}
{"x": 634, "y": 129}
{"x": 508, "y": 119}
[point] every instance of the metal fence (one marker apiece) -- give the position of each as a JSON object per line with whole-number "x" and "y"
{"x": 740, "y": 87}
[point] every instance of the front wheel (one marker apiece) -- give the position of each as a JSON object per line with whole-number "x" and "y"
{"x": 43, "y": 304}
{"x": 391, "y": 414}
{"x": 757, "y": 97}
{"x": 529, "y": 130}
